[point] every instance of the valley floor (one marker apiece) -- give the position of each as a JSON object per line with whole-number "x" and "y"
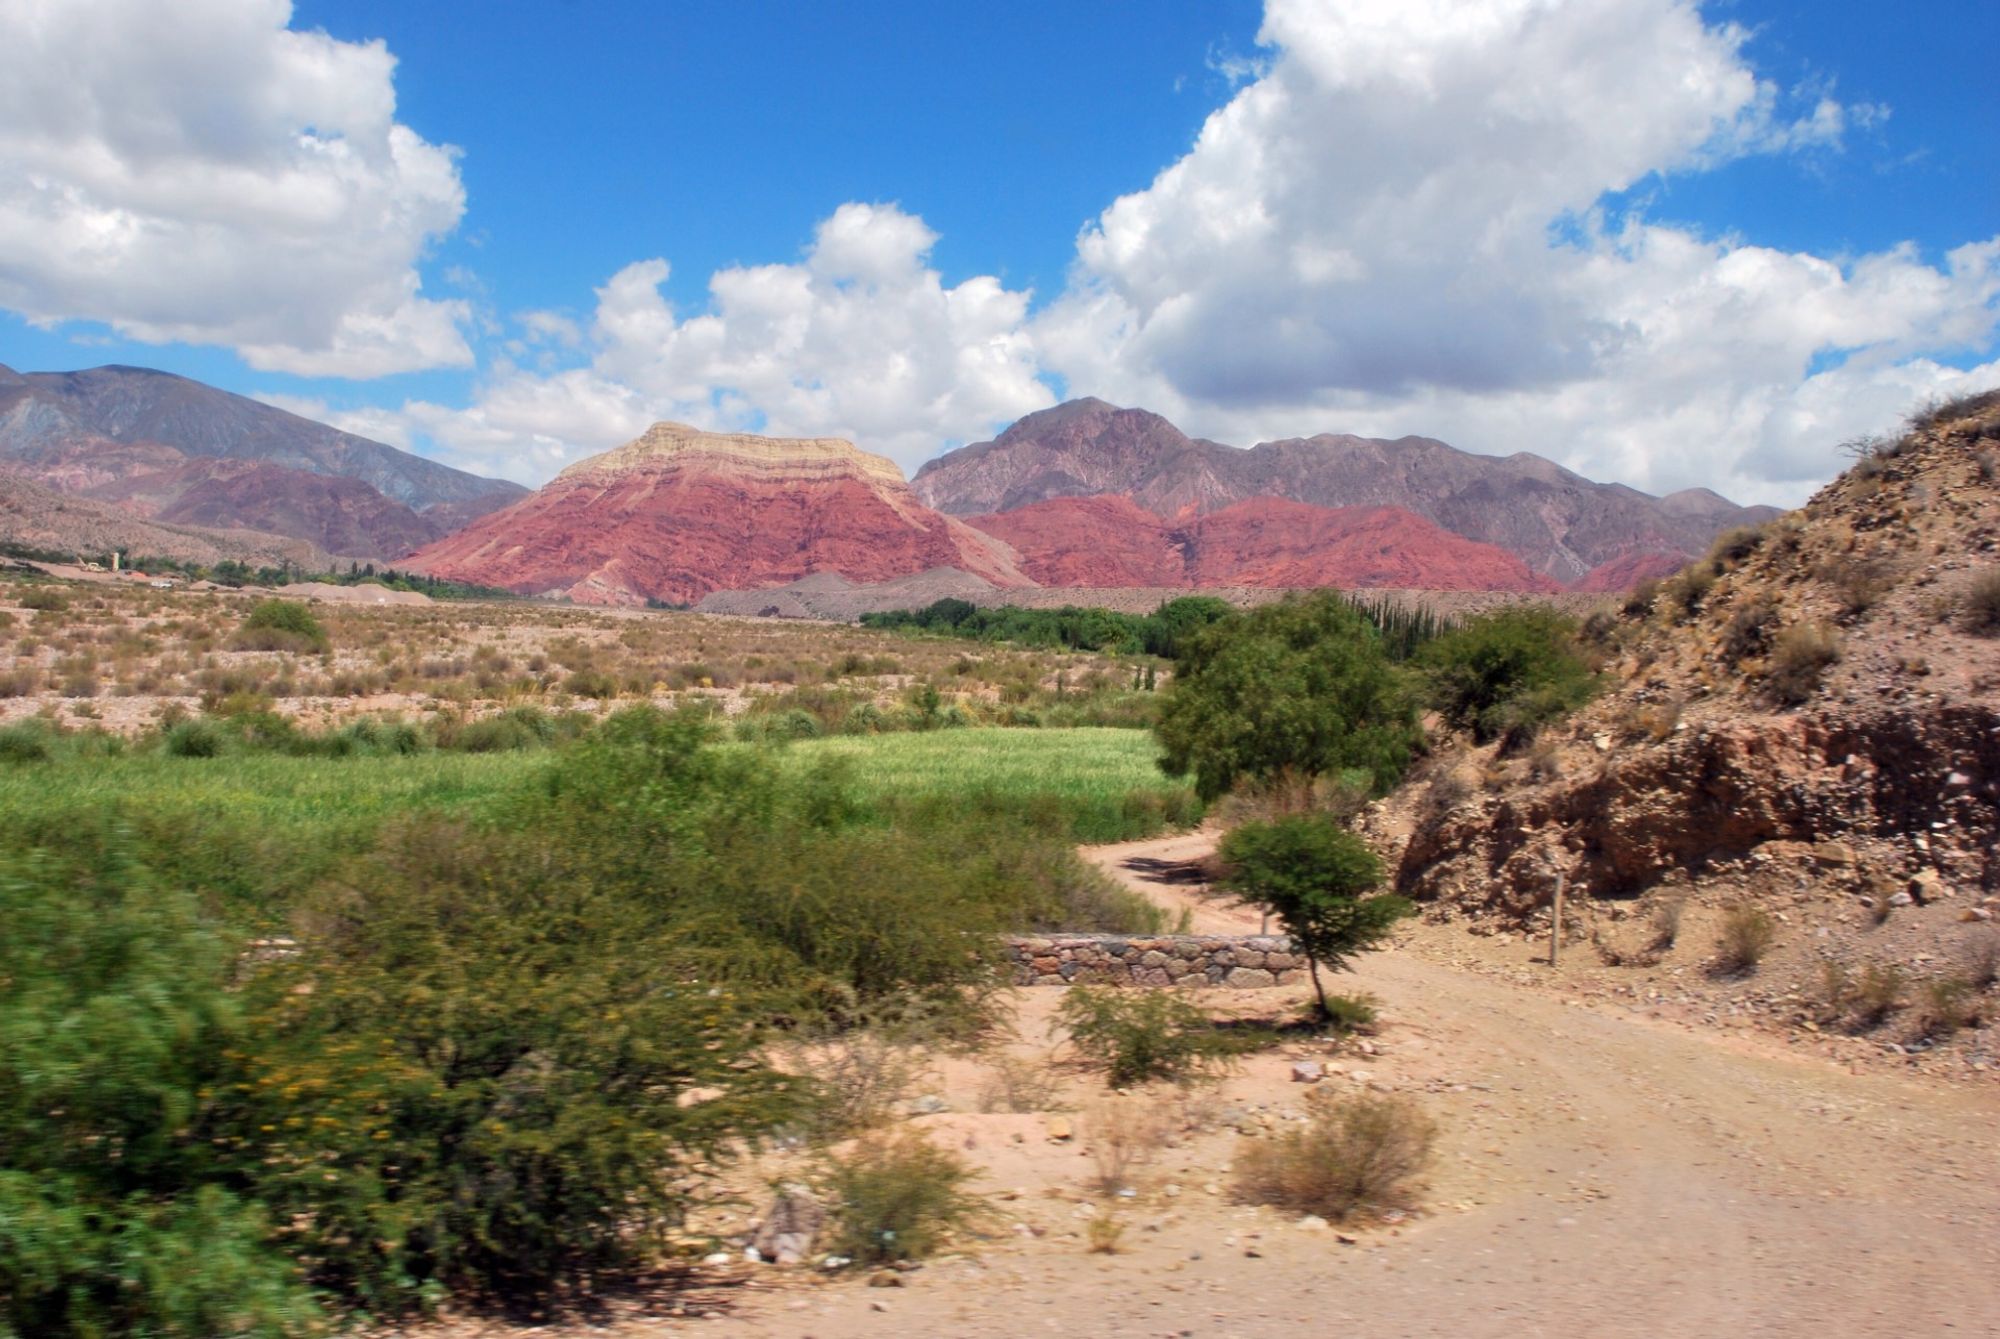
{"x": 1600, "y": 1173}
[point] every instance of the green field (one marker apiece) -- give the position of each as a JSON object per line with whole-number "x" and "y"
{"x": 1104, "y": 783}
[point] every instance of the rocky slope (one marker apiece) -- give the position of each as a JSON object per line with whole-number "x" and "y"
{"x": 1112, "y": 541}
{"x": 1560, "y": 524}
{"x": 1807, "y": 721}
{"x": 38, "y": 517}
{"x": 163, "y": 447}
{"x": 680, "y": 512}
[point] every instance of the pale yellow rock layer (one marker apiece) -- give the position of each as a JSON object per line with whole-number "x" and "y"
{"x": 667, "y": 444}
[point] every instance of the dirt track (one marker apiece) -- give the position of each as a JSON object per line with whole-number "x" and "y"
{"x": 1599, "y": 1174}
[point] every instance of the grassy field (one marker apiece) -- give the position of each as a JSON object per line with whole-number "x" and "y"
{"x": 1106, "y": 781}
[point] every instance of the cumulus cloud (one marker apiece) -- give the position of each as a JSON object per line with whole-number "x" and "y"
{"x": 1396, "y": 228}
{"x": 860, "y": 339}
{"x": 200, "y": 172}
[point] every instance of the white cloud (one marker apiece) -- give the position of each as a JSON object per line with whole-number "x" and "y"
{"x": 199, "y": 172}
{"x": 1393, "y": 230}
{"x": 861, "y": 339}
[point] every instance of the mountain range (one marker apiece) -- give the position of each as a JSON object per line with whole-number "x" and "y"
{"x": 1086, "y": 494}
{"x": 1562, "y": 525}
{"x": 167, "y": 449}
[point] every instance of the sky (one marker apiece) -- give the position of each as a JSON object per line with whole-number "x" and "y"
{"x": 1666, "y": 243}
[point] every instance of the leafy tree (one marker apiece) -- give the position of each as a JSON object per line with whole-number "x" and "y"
{"x": 1511, "y": 670}
{"x": 1318, "y": 878}
{"x": 1287, "y": 692}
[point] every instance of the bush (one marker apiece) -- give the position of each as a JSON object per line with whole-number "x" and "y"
{"x": 27, "y": 742}
{"x": 1749, "y": 630}
{"x": 1949, "y": 1004}
{"x": 1747, "y": 935}
{"x": 1981, "y": 608}
{"x": 897, "y": 1197}
{"x": 1355, "y": 1155}
{"x": 1980, "y": 955}
{"x": 281, "y": 625}
{"x": 1513, "y": 670}
{"x": 117, "y": 1212}
{"x": 202, "y": 737}
{"x": 1799, "y": 660}
{"x": 1859, "y": 1001}
{"x": 1123, "y": 1133}
{"x": 44, "y": 599}
{"x": 1137, "y": 1036}
{"x": 1734, "y": 545}
{"x": 1351, "y": 1013}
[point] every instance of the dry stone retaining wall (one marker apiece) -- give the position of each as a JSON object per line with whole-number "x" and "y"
{"x": 1243, "y": 962}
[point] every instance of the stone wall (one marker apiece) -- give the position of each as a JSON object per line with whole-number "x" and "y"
{"x": 1242, "y": 962}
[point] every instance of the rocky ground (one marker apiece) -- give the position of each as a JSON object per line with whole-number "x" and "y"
{"x": 1608, "y": 1166}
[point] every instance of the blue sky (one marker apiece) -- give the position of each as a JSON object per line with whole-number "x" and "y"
{"x": 1302, "y": 267}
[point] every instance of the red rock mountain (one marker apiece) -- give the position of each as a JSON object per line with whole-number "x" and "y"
{"x": 1110, "y": 540}
{"x": 166, "y": 449}
{"x": 681, "y": 512}
{"x": 1562, "y": 525}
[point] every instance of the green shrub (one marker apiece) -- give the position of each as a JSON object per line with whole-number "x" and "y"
{"x": 119, "y": 1212}
{"x": 27, "y": 742}
{"x": 897, "y": 1197}
{"x": 202, "y": 737}
{"x": 1513, "y": 670}
{"x": 1137, "y": 1036}
{"x": 44, "y": 599}
{"x": 489, "y": 1070}
{"x": 1355, "y": 1155}
{"x": 281, "y": 625}
{"x": 1351, "y": 1013}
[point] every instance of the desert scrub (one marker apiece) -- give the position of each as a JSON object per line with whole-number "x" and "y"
{"x": 1800, "y": 657}
{"x": 897, "y": 1197}
{"x": 1122, "y": 1134}
{"x": 1946, "y": 1005}
{"x": 1137, "y": 1036}
{"x": 1356, "y": 1155}
{"x": 1747, "y": 935}
{"x": 281, "y": 625}
{"x": 1980, "y": 610}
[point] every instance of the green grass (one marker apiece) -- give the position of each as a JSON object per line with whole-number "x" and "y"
{"x": 1106, "y": 780}
{"x": 248, "y": 832}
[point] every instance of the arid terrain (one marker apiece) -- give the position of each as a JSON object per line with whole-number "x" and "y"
{"x": 1606, "y": 1167}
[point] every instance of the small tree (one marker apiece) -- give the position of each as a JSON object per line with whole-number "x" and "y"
{"x": 1287, "y": 692}
{"x": 1318, "y": 878}
{"x": 1513, "y": 669}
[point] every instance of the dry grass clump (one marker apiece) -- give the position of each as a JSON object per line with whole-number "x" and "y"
{"x": 1859, "y": 1000}
{"x": 1947, "y": 1005}
{"x": 1980, "y": 609}
{"x": 1018, "y": 1084}
{"x": 1122, "y": 1134}
{"x": 1800, "y": 657}
{"x": 1747, "y": 935}
{"x": 1355, "y": 1155}
{"x": 861, "y": 1077}
{"x": 1980, "y": 957}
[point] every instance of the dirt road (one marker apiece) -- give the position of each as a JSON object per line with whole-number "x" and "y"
{"x": 1599, "y": 1174}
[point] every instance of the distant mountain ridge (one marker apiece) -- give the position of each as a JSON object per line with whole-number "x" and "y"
{"x": 1561, "y": 524}
{"x": 678, "y": 513}
{"x": 167, "y": 448}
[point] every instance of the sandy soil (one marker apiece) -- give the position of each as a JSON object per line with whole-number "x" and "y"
{"x": 1600, "y": 1173}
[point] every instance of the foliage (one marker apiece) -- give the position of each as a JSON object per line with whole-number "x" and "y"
{"x": 1507, "y": 672}
{"x": 1318, "y": 878}
{"x": 897, "y": 1197}
{"x": 1355, "y": 1154}
{"x": 281, "y": 625}
{"x": 117, "y": 1214}
{"x": 1286, "y": 693}
{"x": 488, "y": 1068}
{"x": 1137, "y": 1036}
